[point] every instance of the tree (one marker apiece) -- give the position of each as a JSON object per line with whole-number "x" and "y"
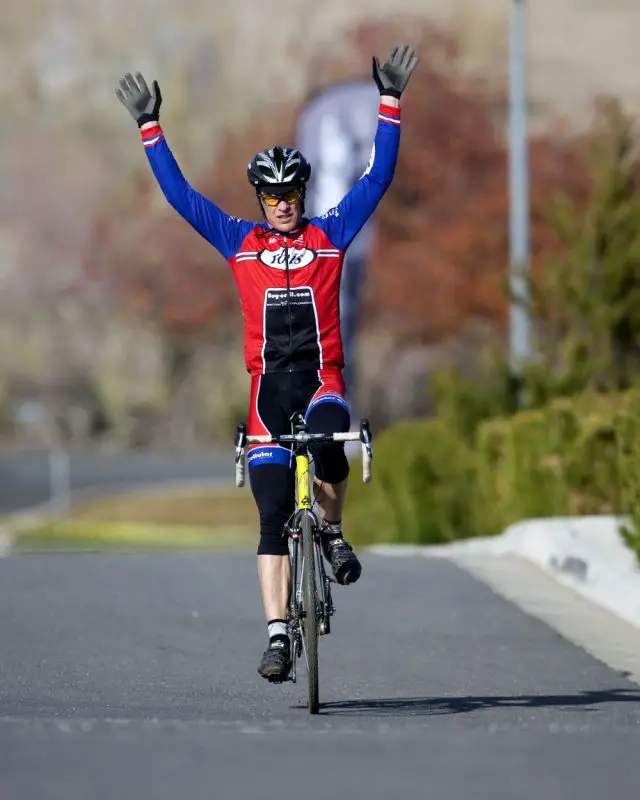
{"x": 442, "y": 251}
{"x": 586, "y": 299}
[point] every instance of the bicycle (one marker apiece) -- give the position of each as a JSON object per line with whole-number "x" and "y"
{"x": 310, "y": 602}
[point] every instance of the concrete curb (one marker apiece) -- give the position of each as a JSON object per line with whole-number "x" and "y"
{"x": 587, "y": 554}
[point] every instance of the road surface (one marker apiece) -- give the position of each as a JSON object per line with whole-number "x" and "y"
{"x": 24, "y": 477}
{"x": 135, "y": 677}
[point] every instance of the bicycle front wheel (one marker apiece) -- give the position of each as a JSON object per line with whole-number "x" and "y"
{"x": 310, "y": 611}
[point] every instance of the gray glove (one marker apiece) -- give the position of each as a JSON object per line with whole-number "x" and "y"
{"x": 142, "y": 104}
{"x": 392, "y": 79}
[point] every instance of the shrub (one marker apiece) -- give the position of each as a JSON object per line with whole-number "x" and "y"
{"x": 577, "y": 456}
{"x": 421, "y": 490}
{"x": 558, "y": 460}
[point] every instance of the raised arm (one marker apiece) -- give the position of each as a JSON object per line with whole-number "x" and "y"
{"x": 223, "y": 231}
{"x": 342, "y": 223}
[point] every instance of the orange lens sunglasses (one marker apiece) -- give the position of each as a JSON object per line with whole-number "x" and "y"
{"x": 273, "y": 199}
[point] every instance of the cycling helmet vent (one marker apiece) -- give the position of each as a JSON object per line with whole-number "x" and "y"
{"x": 278, "y": 165}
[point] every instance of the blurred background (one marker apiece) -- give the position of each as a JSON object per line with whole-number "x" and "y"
{"x": 120, "y": 329}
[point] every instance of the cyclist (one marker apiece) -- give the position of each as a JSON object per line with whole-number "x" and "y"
{"x": 287, "y": 270}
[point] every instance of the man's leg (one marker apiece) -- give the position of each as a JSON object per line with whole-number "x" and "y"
{"x": 330, "y": 497}
{"x": 274, "y": 575}
{"x": 272, "y": 485}
{"x": 331, "y": 479}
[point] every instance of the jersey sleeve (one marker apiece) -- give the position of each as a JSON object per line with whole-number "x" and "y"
{"x": 223, "y": 231}
{"x": 342, "y": 223}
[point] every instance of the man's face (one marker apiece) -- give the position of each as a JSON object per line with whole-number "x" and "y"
{"x": 283, "y": 211}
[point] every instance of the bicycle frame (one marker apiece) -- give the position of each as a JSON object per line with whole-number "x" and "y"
{"x": 303, "y": 479}
{"x": 310, "y": 601}
{"x": 324, "y": 603}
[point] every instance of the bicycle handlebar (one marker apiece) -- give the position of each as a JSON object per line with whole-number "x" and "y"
{"x": 303, "y": 437}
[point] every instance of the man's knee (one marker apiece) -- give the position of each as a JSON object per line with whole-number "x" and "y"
{"x": 273, "y": 542}
{"x": 331, "y": 464}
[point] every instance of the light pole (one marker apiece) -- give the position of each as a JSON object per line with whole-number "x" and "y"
{"x": 519, "y": 322}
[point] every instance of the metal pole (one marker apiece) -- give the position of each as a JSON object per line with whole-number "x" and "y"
{"x": 59, "y": 481}
{"x": 519, "y": 323}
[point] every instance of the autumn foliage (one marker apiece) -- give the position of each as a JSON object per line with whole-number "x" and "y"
{"x": 441, "y": 251}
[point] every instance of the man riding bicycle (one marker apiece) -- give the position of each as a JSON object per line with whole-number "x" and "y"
{"x": 287, "y": 270}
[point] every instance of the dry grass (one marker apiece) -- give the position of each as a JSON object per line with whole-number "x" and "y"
{"x": 168, "y": 519}
{"x": 212, "y": 508}
{"x": 100, "y": 536}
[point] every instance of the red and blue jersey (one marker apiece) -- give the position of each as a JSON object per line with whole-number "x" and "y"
{"x": 289, "y": 284}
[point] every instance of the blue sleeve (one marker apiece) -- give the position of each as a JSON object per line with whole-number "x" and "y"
{"x": 342, "y": 223}
{"x": 224, "y": 232}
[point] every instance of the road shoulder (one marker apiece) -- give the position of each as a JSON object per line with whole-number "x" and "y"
{"x": 599, "y": 632}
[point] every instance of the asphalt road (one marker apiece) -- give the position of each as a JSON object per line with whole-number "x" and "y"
{"x": 135, "y": 677}
{"x": 24, "y": 477}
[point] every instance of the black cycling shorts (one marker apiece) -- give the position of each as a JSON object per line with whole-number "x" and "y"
{"x": 275, "y": 397}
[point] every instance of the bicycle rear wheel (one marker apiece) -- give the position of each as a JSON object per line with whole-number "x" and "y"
{"x": 311, "y": 611}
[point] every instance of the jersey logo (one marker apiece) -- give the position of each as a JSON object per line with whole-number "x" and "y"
{"x": 296, "y": 259}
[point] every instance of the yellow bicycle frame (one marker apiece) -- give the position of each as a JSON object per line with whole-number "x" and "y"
{"x": 304, "y": 481}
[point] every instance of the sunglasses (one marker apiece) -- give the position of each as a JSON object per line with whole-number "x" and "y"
{"x": 273, "y": 199}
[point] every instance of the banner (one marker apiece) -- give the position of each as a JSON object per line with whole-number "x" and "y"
{"x": 335, "y": 132}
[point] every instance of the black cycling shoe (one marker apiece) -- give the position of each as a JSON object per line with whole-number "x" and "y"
{"x": 344, "y": 563}
{"x": 276, "y": 661}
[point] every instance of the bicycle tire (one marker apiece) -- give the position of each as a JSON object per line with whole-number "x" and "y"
{"x": 311, "y": 614}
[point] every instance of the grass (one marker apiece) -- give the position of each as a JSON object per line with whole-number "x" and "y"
{"x": 179, "y": 506}
{"x": 166, "y": 519}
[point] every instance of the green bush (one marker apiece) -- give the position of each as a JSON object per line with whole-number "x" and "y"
{"x": 628, "y": 451}
{"x": 562, "y": 459}
{"x": 462, "y": 402}
{"x": 577, "y": 456}
{"x": 421, "y": 489}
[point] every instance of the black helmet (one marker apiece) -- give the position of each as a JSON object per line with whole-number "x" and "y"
{"x": 278, "y": 166}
